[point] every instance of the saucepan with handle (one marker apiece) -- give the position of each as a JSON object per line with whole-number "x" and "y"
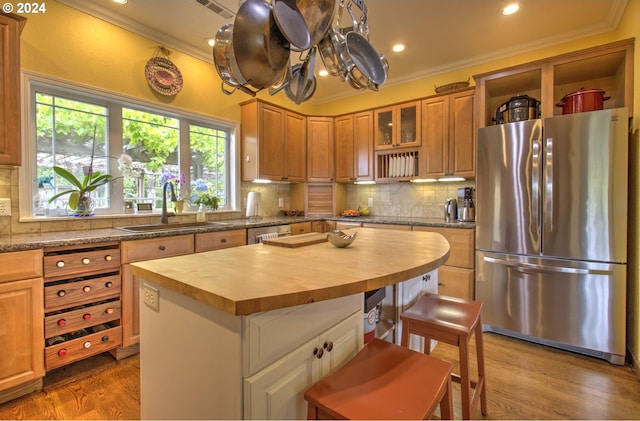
{"x": 225, "y": 62}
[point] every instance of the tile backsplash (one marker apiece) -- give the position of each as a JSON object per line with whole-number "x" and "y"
{"x": 424, "y": 200}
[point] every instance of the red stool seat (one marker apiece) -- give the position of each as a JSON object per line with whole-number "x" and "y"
{"x": 452, "y": 321}
{"x": 384, "y": 381}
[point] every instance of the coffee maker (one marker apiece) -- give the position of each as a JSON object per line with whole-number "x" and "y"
{"x": 466, "y": 208}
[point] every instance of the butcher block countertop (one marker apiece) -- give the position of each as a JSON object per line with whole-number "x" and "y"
{"x": 260, "y": 277}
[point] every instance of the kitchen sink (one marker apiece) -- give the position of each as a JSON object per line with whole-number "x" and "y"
{"x": 170, "y": 226}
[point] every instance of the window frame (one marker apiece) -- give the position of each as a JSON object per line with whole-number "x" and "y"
{"x": 32, "y": 82}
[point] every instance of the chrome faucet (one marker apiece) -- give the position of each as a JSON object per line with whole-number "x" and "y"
{"x": 165, "y": 214}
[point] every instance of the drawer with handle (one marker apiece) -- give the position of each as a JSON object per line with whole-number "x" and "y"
{"x": 80, "y": 318}
{"x": 76, "y": 347}
{"x": 61, "y": 265}
{"x": 78, "y": 291}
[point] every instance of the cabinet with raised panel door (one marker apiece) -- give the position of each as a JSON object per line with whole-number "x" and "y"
{"x": 320, "y": 149}
{"x": 21, "y": 307}
{"x": 273, "y": 143}
{"x": 448, "y": 135}
{"x": 456, "y": 277}
{"x": 354, "y": 147}
{"x": 10, "y": 28}
{"x": 137, "y": 251}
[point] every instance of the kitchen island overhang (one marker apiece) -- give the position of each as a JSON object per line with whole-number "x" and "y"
{"x": 259, "y": 277}
{"x": 241, "y": 333}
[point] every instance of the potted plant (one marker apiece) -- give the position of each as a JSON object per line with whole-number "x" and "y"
{"x": 208, "y": 200}
{"x": 80, "y": 201}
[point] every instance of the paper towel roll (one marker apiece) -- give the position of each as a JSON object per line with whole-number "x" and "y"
{"x": 254, "y": 200}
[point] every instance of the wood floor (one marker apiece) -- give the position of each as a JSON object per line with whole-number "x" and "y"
{"x": 524, "y": 381}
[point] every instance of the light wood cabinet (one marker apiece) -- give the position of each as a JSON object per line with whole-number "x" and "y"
{"x": 273, "y": 145}
{"x": 10, "y": 27}
{"x": 320, "y": 149}
{"x": 301, "y": 228}
{"x": 275, "y": 392}
{"x": 387, "y": 226}
{"x": 456, "y": 277}
{"x": 448, "y": 135}
{"x": 136, "y": 251}
{"x": 608, "y": 67}
{"x": 220, "y": 240}
{"x": 397, "y": 126}
{"x": 354, "y": 147}
{"x": 21, "y": 307}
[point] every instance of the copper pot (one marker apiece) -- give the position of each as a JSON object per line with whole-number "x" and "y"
{"x": 582, "y": 101}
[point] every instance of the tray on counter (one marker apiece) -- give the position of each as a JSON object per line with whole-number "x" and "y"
{"x": 300, "y": 240}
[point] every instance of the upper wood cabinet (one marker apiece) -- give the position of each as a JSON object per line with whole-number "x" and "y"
{"x": 448, "y": 135}
{"x": 320, "y": 149}
{"x": 273, "y": 143}
{"x": 397, "y": 126}
{"x": 608, "y": 67}
{"x": 354, "y": 147}
{"x": 10, "y": 27}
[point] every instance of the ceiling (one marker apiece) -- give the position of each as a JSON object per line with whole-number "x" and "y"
{"x": 440, "y": 35}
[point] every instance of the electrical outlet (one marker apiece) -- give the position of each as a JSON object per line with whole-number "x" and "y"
{"x": 370, "y": 201}
{"x": 151, "y": 296}
{"x": 5, "y": 207}
{"x": 280, "y": 202}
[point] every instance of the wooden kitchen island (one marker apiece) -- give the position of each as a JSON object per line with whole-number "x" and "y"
{"x": 242, "y": 332}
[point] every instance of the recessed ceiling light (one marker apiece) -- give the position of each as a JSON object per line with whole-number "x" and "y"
{"x": 211, "y": 41}
{"x": 323, "y": 73}
{"x": 398, "y": 48}
{"x": 511, "y": 9}
{"x": 121, "y": 1}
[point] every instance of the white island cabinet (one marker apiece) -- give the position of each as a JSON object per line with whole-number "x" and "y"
{"x": 241, "y": 333}
{"x": 200, "y": 363}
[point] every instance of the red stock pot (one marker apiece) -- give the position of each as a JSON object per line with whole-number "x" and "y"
{"x": 582, "y": 101}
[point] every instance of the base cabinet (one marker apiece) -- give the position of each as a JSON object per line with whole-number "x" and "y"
{"x": 277, "y": 391}
{"x": 22, "y": 323}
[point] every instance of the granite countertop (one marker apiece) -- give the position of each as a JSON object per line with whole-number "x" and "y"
{"x": 20, "y": 242}
{"x": 283, "y": 277}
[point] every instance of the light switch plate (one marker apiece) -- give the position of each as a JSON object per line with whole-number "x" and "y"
{"x": 5, "y": 207}
{"x": 151, "y": 296}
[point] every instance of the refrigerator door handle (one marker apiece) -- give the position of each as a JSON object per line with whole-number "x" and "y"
{"x": 535, "y": 180}
{"x": 546, "y": 268}
{"x": 548, "y": 182}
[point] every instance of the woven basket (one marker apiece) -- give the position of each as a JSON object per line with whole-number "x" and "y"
{"x": 452, "y": 86}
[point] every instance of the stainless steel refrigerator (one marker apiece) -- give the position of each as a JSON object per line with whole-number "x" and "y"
{"x": 551, "y": 231}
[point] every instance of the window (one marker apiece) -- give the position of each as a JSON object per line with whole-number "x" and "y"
{"x": 79, "y": 130}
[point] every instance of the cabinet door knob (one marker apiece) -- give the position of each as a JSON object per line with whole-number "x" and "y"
{"x": 86, "y": 260}
{"x": 161, "y": 248}
{"x": 60, "y": 263}
{"x": 61, "y": 293}
{"x": 108, "y": 284}
{"x": 328, "y": 345}
{"x": 224, "y": 240}
{"x": 108, "y": 258}
{"x": 86, "y": 288}
{"x": 105, "y": 338}
{"x": 318, "y": 352}
{"x": 440, "y": 284}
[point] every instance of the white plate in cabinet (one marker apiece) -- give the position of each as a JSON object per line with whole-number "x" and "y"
{"x": 155, "y": 248}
